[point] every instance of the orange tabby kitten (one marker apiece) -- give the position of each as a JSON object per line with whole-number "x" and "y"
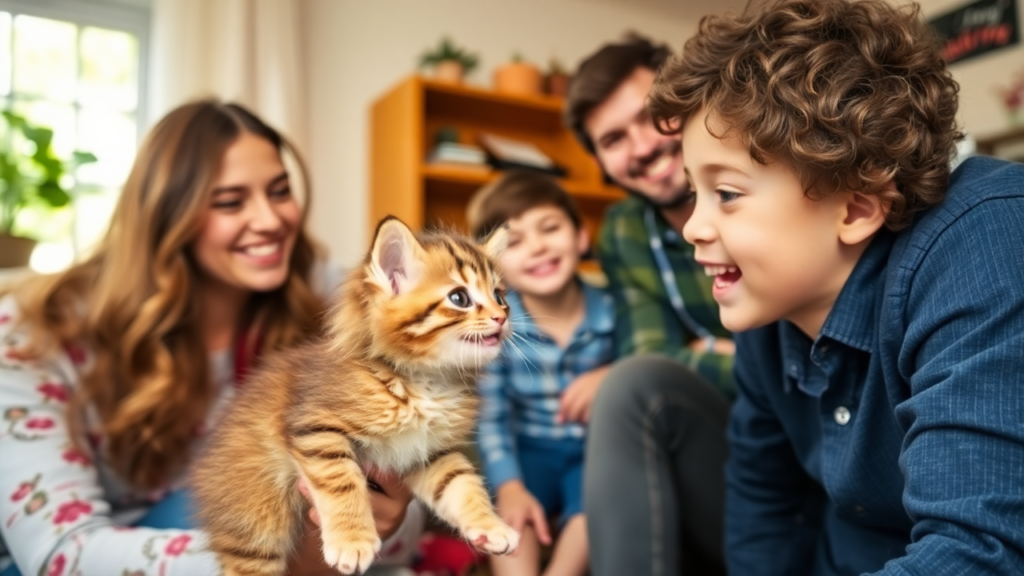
{"x": 388, "y": 387}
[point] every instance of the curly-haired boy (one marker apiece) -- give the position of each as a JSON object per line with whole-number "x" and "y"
{"x": 880, "y": 368}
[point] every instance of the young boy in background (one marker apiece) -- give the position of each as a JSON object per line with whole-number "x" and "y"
{"x": 879, "y": 299}
{"x": 537, "y": 395}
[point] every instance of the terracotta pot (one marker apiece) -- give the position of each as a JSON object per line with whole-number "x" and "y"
{"x": 448, "y": 71}
{"x": 15, "y": 251}
{"x": 557, "y": 84}
{"x": 517, "y": 78}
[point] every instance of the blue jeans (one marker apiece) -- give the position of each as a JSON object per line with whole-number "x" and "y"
{"x": 173, "y": 512}
{"x": 553, "y": 472}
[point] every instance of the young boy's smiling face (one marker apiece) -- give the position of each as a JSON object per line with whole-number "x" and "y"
{"x": 543, "y": 252}
{"x": 775, "y": 253}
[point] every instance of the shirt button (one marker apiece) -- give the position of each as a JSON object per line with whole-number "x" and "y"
{"x": 842, "y": 415}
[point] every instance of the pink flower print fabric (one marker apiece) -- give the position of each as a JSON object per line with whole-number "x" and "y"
{"x": 69, "y": 512}
{"x": 57, "y": 566}
{"x": 53, "y": 392}
{"x": 55, "y": 493}
{"x": 24, "y": 489}
{"x": 39, "y": 423}
{"x": 75, "y": 456}
{"x": 177, "y": 545}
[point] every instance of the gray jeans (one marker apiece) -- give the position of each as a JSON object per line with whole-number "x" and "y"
{"x": 654, "y": 482}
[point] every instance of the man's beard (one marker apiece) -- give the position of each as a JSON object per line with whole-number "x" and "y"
{"x": 636, "y": 169}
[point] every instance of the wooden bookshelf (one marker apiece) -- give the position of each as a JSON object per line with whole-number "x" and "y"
{"x": 403, "y": 127}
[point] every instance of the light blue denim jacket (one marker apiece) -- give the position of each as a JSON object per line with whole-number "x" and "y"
{"x": 893, "y": 444}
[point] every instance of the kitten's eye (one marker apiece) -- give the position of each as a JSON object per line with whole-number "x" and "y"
{"x": 460, "y": 298}
{"x": 498, "y": 297}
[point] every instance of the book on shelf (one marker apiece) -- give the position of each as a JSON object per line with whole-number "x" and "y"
{"x": 507, "y": 153}
{"x": 455, "y": 153}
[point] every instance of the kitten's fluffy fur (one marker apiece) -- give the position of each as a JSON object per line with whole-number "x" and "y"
{"x": 389, "y": 387}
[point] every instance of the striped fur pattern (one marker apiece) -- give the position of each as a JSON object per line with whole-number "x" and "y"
{"x": 389, "y": 387}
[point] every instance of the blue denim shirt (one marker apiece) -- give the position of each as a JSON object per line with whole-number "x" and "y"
{"x": 894, "y": 442}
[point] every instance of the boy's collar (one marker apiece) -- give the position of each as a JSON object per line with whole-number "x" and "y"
{"x": 851, "y": 320}
{"x": 598, "y": 313}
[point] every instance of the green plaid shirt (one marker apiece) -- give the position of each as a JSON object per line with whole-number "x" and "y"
{"x": 645, "y": 319}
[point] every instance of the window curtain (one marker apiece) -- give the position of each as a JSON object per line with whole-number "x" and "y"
{"x": 246, "y": 51}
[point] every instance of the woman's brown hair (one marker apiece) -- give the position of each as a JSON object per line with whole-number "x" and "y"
{"x": 133, "y": 304}
{"x": 852, "y": 94}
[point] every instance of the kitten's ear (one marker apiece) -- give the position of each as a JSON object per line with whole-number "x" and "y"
{"x": 396, "y": 255}
{"x": 496, "y": 242}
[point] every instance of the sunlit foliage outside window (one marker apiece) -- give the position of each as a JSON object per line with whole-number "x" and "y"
{"x": 83, "y": 82}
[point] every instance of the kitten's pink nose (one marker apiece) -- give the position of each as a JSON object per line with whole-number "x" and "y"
{"x": 499, "y": 319}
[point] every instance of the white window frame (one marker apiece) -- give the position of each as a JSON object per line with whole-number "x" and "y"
{"x": 127, "y": 16}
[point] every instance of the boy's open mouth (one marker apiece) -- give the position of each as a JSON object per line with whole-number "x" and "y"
{"x": 544, "y": 268}
{"x": 725, "y": 276}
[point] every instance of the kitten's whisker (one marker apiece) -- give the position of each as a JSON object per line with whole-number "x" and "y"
{"x": 530, "y": 365}
{"x": 534, "y": 316}
{"x": 528, "y": 342}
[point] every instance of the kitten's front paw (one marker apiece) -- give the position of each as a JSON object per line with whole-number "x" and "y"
{"x": 496, "y": 538}
{"x": 351, "y": 552}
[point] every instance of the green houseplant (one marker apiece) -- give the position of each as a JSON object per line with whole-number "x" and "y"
{"x": 31, "y": 176}
{"x": 450, "y": 63}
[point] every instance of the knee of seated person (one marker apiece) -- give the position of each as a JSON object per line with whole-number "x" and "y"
{"x": 633, "y": 381}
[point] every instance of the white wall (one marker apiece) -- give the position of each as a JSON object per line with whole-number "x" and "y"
{"x": 357, "y": 50}
{"x": 981, "y": 108}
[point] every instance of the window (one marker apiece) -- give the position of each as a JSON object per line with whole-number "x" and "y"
{"x": 76, "y": 66}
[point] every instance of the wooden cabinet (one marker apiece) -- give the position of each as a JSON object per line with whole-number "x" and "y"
{"x": 403, "y": 127}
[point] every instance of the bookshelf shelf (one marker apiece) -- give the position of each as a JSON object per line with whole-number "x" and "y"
{"x": 403, "y": 127}
{"x": 478, "y": 177}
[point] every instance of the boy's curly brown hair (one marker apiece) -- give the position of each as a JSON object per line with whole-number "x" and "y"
{"x": 851, "y": 94}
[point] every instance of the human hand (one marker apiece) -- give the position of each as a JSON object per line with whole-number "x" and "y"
{"x": 723, "y": 346}
{"x": 389, "y": 499}
{"x": 308, "y": 558}
{"x": 517, "y": 507}
{"x": 577, "y": 399}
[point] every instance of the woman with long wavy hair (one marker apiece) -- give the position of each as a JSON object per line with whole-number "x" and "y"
{"x": 111, "y": 371}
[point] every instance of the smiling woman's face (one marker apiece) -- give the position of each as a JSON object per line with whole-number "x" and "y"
{"x": 251, "y": 220}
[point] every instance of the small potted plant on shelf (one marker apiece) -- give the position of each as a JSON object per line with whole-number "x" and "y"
{"x": 31, "y": 176}
{"x": 449, "y": 62}
{"x": 517, "y": 77}
{"x": 556, "y": 82}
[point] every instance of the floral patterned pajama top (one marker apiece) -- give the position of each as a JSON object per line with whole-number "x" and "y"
{"x": 62, "y": 511}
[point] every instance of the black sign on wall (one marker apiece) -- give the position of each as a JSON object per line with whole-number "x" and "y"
{"x": 978, "y": 28}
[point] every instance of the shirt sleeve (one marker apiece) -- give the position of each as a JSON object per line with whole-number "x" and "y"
{"x": 54, "y": 518}
{"x": 963, "y": 354}
{"x": 497, "y": 448}
{"x": 645, "y": 322}
{"x": 770, "y": 500}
